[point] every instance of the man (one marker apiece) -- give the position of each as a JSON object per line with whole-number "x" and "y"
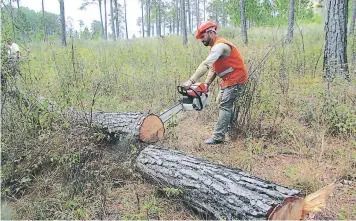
{"x": 226, "y": 62}
{"x": 14, "y": 50}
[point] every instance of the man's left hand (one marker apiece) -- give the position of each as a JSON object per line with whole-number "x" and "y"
{"x": 187, "y": 84}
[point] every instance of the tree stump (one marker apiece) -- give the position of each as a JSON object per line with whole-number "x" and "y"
{"x": 217, "y": 190}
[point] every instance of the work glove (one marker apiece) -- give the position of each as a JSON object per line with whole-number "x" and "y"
{"x": 186, "y": 85}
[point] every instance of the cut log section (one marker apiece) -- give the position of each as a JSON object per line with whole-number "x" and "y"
{"x": 145, "y": 127}
{"x": 217, "y": 190}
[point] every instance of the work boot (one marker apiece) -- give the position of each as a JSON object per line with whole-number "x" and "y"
{"x": 211, "y": 141}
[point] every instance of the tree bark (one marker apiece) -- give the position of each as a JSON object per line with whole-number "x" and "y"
{"x": 353, "y": 18}
{"x": 142, "y": 126}
{"x": 184, "y": 23}
{"x": 189, "y": 17}
{"x": 177, "y": 11}
{"x": 127, "y": 32}
{"x": 216, "y": 190}
{"x": 117, "y": 20}
{"x": 204, "y": 1}
{"x": 142, "y": 20}
{"x": 148, "y": 12}
{"x": 101, "y": 20}
{"x": 290, "y": 21}
{"x": 243, "y": 22}
{"x": 44, "y": 22}
{"x": 335, "y": 49}
{"x": 112, "y": 21}
{"x": 197, "y": 13}
{"x": 106, "y": 21}
{"x": 63, "y": 23}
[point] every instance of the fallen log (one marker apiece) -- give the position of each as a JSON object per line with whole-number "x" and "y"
{"x": 219, "y": 191}
{"x": 145, "y": 127}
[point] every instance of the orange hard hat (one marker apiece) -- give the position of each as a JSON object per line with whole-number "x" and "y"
{"x": 204, "y": 26}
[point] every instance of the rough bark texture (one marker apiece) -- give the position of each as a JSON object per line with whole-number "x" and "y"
{"x": 44, "y": 22}
{"x": 142, "y": 126}
{"x": 243, "y": 22}
{"x": 184, "y": 23}
{"x": 142, "y": 19}
{"x": 101, "y": 20}
{"x": 112, "y": 21}
{"x": 290, "y": 21}
{"x": 127, "y": 31}
{"x": 335, "y": 56}
{"x": 117, "y": 19}
{"x": 63, "y": 23}
{"x": 353, "y": 18}
{"x": 213, "y": 189}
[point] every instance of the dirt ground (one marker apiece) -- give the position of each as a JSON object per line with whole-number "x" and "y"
{"x": 273, "y": 161}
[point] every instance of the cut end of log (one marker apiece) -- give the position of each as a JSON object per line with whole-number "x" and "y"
{"x": 152, "y": 129}
{"x": 290, "y": 209}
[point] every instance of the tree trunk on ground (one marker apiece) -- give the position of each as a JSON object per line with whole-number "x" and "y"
{"x": 142, "y": 126}
{"x": 184, "y": 23}
{"x": 216, "y": 190}
{"x": 101, "y": 20}
{"x": 290, "y": 21}
{"x": 112, "y": 21}
{"x": 106, "y": 21}
{"x": 63, "y": 23}
{"x": 335, "y": 51}
{"x": 353, "y": 18}
{"x": 243, "y": 22}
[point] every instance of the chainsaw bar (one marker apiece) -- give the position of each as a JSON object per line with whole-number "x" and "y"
{"x": 165, "y": 116}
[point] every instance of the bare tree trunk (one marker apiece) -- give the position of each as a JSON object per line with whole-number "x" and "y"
{"x": 160, "y": 17}
{"x": 243, "y": 22}
{"x": 18, "y": 4}
{"x": 335, "y": 51}
{"x": 353, "y": 17}
{"x": 224, "y": 13}
{"x": 189, "y": 17}
{"x": 204, "y": 1}
{"x": 106, "y": 21}
{"x": 101, "y": 20}
{"x": 112, "y": 21}
{"x": 142, "y": 19}
{"x": 127, "y": 31}
{"x": 177, "y": 10}
{"x": 198, "y": 13}
{"x": 148, "y": 12}
{"x": 290, "y": 21}
{"x": 44, "y": 21}
{"x": 117, "y": 20}
{"x": 184, "y": 23}
{"x": 63, "y": 23}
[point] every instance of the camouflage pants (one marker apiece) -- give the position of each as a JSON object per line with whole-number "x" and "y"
{"x": 228, "y": 96}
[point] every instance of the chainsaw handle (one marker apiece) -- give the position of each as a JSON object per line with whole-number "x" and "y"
{"x": 182, "y": 90}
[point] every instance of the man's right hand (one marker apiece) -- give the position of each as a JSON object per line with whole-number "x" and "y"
{"x": 186, "y": 85}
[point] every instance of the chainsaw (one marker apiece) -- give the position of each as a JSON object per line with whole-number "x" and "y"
{"x": 193, "y": 99}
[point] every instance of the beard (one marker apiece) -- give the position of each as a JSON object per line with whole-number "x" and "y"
{"x": 206, "y": 43}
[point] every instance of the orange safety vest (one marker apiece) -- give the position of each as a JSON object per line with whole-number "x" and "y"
{"x": 231, "y": 69}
